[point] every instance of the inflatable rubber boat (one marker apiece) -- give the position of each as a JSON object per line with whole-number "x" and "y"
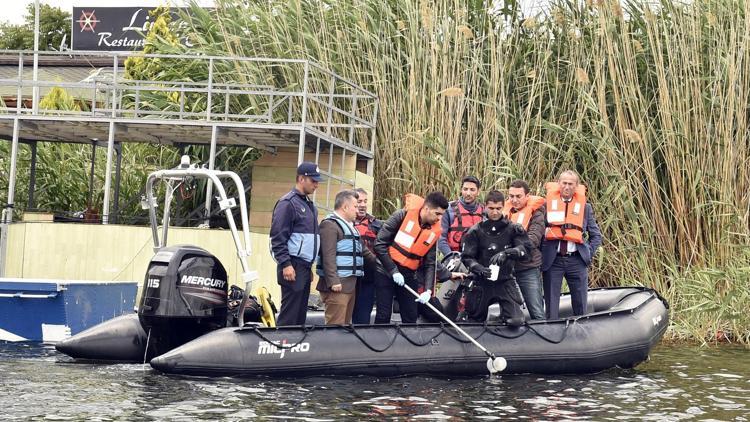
{"x": 189, "y": 322}
{"x": 623, "y": 327}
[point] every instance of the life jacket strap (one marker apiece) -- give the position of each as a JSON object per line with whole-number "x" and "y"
{"x": 406, "y": 253}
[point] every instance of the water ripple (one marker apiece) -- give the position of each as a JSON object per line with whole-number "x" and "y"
{"x": 678, "y": 383}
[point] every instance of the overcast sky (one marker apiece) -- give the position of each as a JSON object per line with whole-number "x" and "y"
{"x": 13, "y": 10}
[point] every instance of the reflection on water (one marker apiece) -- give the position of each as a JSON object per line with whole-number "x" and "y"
{"x": 680, "y": 382}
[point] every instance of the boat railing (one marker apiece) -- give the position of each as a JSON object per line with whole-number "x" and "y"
{"x": 242, "y": 90}
{"x": 173, "y": 178}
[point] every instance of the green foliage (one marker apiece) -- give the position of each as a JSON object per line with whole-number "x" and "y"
{"x": 712, "y": 303}
{"x": 145, "y": 69}
{"x": 647, "y": 103}
{"x": 54, "y": 25}
{"x": 16, "y": 37}
{"x": 59, "y": 99}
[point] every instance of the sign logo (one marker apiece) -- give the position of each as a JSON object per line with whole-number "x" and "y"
{"x": 87, "y": 21}
{"x": 115, "y": 28}
{"x": 268, "y": 348}
{"x": 203, "y": 281}
{"x": 656, "y": 320}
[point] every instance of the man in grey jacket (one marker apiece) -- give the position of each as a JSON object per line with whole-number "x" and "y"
{"x": 341, "y": 260}
{"x": 528, "y": 211}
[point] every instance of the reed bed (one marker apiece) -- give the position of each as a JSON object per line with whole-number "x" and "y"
{"x": 648, "y": 102}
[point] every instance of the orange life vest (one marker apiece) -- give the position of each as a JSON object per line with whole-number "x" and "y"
{"x": 462, "y": 221}
{"x": 412, "y": 242}
{"x": 523, "y": 216}
{"x": 565, "y": 219}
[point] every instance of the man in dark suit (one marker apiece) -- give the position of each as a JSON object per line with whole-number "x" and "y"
{"x": 571, "y": 240}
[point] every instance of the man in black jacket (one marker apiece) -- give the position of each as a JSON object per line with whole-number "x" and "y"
{"x": 405, "y": 245}
{"x": 490, "y": 249}
{"x": 368, "y": 227}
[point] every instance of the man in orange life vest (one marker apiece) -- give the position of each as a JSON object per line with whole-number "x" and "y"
{"x": 528, "y": 212}
{"x": 407, "y": 242}
{"x": 462, "y": 214}
{"x": 566, "y": 252}
{"x": 368, "y": 227}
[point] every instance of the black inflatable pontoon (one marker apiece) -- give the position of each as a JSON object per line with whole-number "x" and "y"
{"x": 623, "y": 327}
{"x": 118, "y": 339}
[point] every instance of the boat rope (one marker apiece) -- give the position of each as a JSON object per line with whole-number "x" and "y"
{"x": 400, "y": 332}
{"x": 493, "y": 330}
{"x": 549, "y": 340}
{"x": 460, "y": 339}
{"x": 351, "y": 329}
{"x": 403, "y": 334}
{"x": 496, "y": 332}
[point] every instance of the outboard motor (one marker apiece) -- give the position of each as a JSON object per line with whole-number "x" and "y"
{"x": 184, "y": 297}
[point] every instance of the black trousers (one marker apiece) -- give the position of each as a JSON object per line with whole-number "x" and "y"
{"x": 576, "y": 273}
{"x": 365, "y": 296}
{"x": 485, "y": 293}
{"x": 386, "y": 289}
{"x": 294, "y": 295}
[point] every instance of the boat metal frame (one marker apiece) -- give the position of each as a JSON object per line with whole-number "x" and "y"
{"x": 173, "y": 178}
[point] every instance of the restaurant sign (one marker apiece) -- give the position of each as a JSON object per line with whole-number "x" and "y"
{"x": 111, "y": 28}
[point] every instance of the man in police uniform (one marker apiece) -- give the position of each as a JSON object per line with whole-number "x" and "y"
{"x": 294, "y": 244}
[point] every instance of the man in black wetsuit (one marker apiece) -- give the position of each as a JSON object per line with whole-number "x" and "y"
{"x": 490, "y": 249}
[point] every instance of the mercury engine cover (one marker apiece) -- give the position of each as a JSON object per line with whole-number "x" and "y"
{"x": 184, "y": 296}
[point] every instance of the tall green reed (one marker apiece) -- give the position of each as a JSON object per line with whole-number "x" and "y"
{"x": 647, "y": 103}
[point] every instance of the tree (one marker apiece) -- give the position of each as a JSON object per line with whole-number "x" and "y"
{"x": 54, "y": 25}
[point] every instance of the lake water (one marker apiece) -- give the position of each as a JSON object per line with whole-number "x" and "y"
{"x": 678, "y": 383}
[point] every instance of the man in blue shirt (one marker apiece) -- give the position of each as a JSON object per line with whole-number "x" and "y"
{"x": 294, "y": 244}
